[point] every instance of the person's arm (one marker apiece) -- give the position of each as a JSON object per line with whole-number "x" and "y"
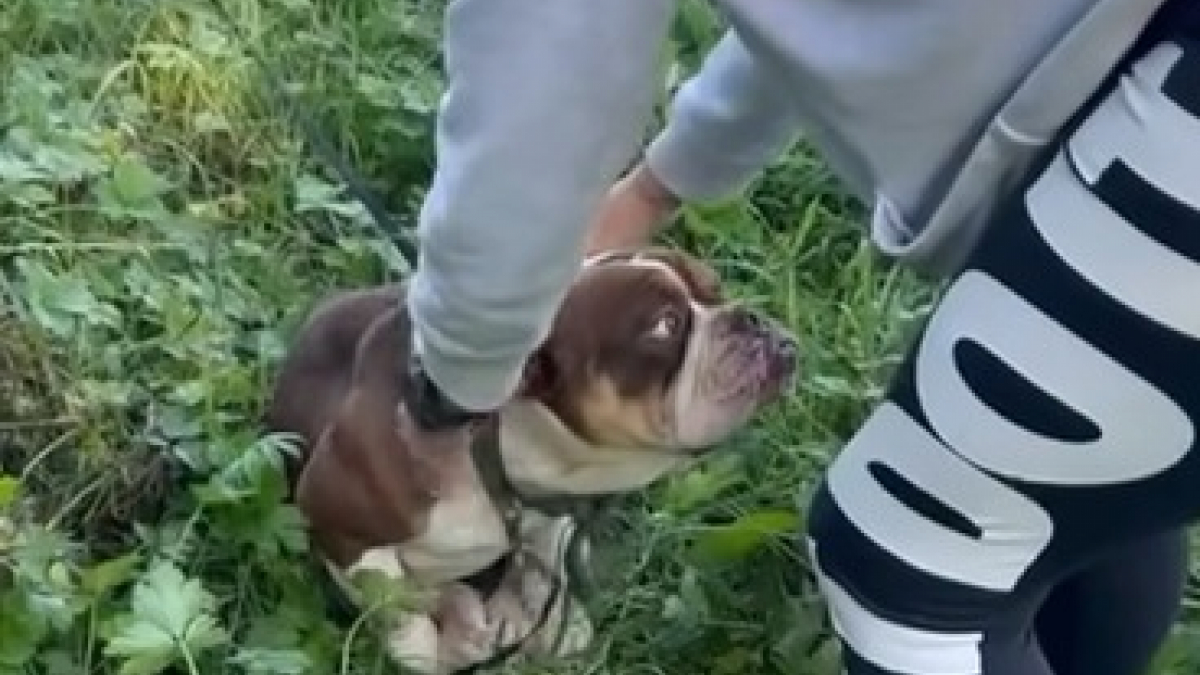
{"x": 546, "y": 101}
{"x": 727, "y": 123}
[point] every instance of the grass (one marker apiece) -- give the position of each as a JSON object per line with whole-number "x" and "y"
{"x": 162, "y": 230}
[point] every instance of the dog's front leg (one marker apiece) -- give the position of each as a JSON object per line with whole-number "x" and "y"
{"x": 413, "y": 642}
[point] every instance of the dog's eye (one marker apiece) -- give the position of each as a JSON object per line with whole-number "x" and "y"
{"x": 666, "y": 325}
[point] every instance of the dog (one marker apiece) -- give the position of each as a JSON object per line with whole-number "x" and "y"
{"x": 646, "y": 367}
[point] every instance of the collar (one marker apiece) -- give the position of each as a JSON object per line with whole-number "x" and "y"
{"x": 498, "y": 444}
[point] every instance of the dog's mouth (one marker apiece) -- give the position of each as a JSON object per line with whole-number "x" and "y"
{"x": 759, "y": 365}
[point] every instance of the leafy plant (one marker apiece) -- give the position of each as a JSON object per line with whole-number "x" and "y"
{"x": 170, "y": 619}
{"x": 163, "y": 229}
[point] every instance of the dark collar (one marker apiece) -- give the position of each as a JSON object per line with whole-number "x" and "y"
{"x": 489, "y": 463}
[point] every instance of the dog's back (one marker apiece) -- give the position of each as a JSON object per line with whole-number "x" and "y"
{"x": 316, "y": 374}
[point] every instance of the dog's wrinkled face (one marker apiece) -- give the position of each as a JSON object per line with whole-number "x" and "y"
{"x": 645, "y": 352}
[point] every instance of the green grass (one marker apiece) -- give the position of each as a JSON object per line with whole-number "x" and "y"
{"x": 163, "y": 228}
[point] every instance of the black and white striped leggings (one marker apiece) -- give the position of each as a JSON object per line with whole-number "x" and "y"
{"x": 1017, "y": 504}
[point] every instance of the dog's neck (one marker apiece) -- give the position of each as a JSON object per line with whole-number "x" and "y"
{"x": 543, "y": 457}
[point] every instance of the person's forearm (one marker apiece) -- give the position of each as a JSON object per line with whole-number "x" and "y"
{"x": 545, "y": 104}
{"x": 727, "y": 123}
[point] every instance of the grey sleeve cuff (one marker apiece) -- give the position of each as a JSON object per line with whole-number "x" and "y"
{"x": 727, "y": 123}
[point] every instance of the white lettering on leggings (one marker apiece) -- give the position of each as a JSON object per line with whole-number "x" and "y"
{"x": 892, "y": 438}
{"x": 1161, "y": 142}
{"x": 912, "y": 650}
{"x": 1142, "y": 431}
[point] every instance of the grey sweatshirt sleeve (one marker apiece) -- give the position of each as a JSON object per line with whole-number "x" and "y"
{"x": 546, "y": 102}
{"x": 727, "y": 123}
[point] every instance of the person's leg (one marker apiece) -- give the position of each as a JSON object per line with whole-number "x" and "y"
{"x": 1111, "y": 618}
{"x": 1046, "y": 414}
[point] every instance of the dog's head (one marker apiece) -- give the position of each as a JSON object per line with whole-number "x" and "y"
{"x": 646, "y": 352}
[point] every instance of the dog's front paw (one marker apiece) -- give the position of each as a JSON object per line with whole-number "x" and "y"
{"x": 413, "y": 644}
{"x": 465, "y": 633}
{"x": 474, "y": 631}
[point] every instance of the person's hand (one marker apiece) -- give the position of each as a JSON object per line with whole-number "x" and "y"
{"x": 632, "y": 212}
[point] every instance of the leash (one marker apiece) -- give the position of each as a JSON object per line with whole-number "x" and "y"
{"x": 400, "y": 238}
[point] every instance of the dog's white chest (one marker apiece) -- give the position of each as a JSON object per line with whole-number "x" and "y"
{"x": 465, "y": 534}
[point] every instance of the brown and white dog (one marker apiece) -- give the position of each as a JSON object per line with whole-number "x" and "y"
{"x": 647, "y": 366}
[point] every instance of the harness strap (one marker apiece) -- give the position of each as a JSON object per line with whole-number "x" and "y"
{"x": 489, "y": 464}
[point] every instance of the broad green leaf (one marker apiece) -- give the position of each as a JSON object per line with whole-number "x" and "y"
{"x": 58, "y": 606}
{"x": 741, "y": 537}
{"x": 106, "y": 575}
{"x": 177, "y": 422}
{"x": 57, "y": 299}
{"x": 168, "y": 600}
{"x": 273, "y": 661}
{"x": 314, "y": 194}
{"x": 13, "y": 169}
{"x": 288, "y": 527}
{"x": 111, "y": 393}
{"x": 382, "y": 93}
{"x": 21, "y": 630}
{"x": 10, "y": 487}
{"x": 207, "y": 122}
{"x": 736, "y": 661}
{"x": 35, "y": 550}
{"x": 26, "y": 194}
{"x": 698, "y": 486}
{"x": 67, "y": 164}
{"x": 170, "y": 616}
{"x": 56, "y": 661}
{"x": 135, "y": 184}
